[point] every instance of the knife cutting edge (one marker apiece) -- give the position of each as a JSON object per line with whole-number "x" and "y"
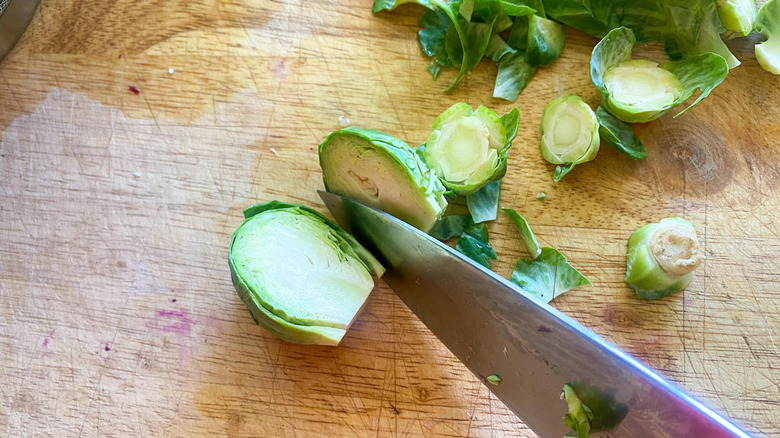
{"x": 495, "y": 329}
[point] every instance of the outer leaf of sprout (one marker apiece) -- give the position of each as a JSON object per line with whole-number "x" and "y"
{"x": 619, "y": 135}
{"x": 525, "y": 232}
{"x": 737, "y": 16}
{"x": 545, "y": 40}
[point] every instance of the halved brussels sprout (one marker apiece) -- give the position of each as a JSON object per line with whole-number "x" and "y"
{"x": 768, "y": 24}
{"x": 737, "y": 16}
{"x": 467, "y": 148}
{"x": 642, "y": 91}
{"x": 381, "y": 171}
{"x": 661, "y": 258}
{"x": 570, "y": 133}
{"x": 300, "y": 276}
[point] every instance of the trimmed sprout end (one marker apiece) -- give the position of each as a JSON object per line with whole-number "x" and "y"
{"x": 661, "y": 258}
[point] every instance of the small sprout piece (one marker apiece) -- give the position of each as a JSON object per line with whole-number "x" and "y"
{"x": 737, "y": 16}
{"x": 301, "y": 277}
{"x": 495, "y": 379}
{"x": 467, "y": 148}
{"x": 591, "y": 409}
{"x": 541, "y": 196}
{"x": 661, "y": 258}
{"x": 638, "y": 91}
{"x": 768, "y": 24}
{"x": 570, "y": 133}
{"x": 382, "y": 172}
{"x": 545, "y": 40}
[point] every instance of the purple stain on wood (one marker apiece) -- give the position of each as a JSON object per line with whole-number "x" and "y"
{"x": 173, "y": 321}
{"x": 544, "y": 329}
{"x": 120, "y": 56}
{"x": 45, "y": 342}
{"x": 173, "y": 300}
{"x": 134, "y": 89}
{"x": 107, "y": 348}
{"x": 280, "y": 70}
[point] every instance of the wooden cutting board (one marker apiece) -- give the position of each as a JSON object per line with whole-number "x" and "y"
{"x": 117, "y": 315}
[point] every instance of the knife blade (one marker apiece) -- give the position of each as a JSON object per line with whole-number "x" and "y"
{"x": 13, "y": 22}
{"x": 496, "y": 329}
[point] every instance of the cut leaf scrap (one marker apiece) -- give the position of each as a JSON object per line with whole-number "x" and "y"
{"x": 547, "y": 276}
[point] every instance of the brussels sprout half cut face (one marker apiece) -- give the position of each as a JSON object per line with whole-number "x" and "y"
{"x": 641, "y": 91}
{"x": 383, "y": 172}
{"x": 768, "y": 24}
{"x": 467, "y": 148}
{"x": 570, "y": 132}
{"x": 301, "y": 277}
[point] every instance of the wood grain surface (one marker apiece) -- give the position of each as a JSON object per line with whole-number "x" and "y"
{"x": 117, "y": 315}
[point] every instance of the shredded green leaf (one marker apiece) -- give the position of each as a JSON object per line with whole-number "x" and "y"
{"x": 548, "y": 275}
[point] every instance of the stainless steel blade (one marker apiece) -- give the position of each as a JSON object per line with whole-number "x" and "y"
{"x": 13, "y": 22}
{"x": 493, "y": 327}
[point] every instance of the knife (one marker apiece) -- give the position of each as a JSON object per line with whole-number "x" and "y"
{"x": 496, "y": 329}
{"x": 15, "y": 15}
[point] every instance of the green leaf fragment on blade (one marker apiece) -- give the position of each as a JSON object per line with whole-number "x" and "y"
{"x": 450, "y": 226}
{"x": 494, "y": 379}
{"x": 591, "y": 409}
{"x": 525, "y": 232}
{"x": 547, "y": 276}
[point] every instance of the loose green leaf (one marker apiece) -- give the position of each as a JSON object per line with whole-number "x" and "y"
{"x": 494, "y": 379}
{"x": 768, "y": 25}
{"x": 497, "y": 48}
{"x": 525, "y": 232}
{"x": 389, "y": 5}
{"x": 545, "y": 41}
{"x": 475, "y": 244}
{"x": 434, "y": 70}
{"x": 450, "y": 226}
{"x": 689, "y": 27}
{"x": 619, "y": 135}
{"x": 483, "y": 204}
{"x": 547, "y": 276}
{"x": 514, "y": 73}
{"x": 433, "y": 36}
{"x": 579, "y": 415}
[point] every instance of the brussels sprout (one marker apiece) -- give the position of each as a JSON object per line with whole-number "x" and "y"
{"x": 768, "y": 24}
{"x": 467, "y": 148}
{"x": 661, "y": 258}
{"x": 301, "y": 277}
{"x": 642, "y": 91}
{"x": 383, "y": 172}
{"x": 737, "y": 16}
{"x": 570, "y": 133}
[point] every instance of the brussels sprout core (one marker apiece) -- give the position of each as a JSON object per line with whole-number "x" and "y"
{"x": 569, "y": 131}
{"x": 676, "y": 248}
{"x": 642, "y": 89}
